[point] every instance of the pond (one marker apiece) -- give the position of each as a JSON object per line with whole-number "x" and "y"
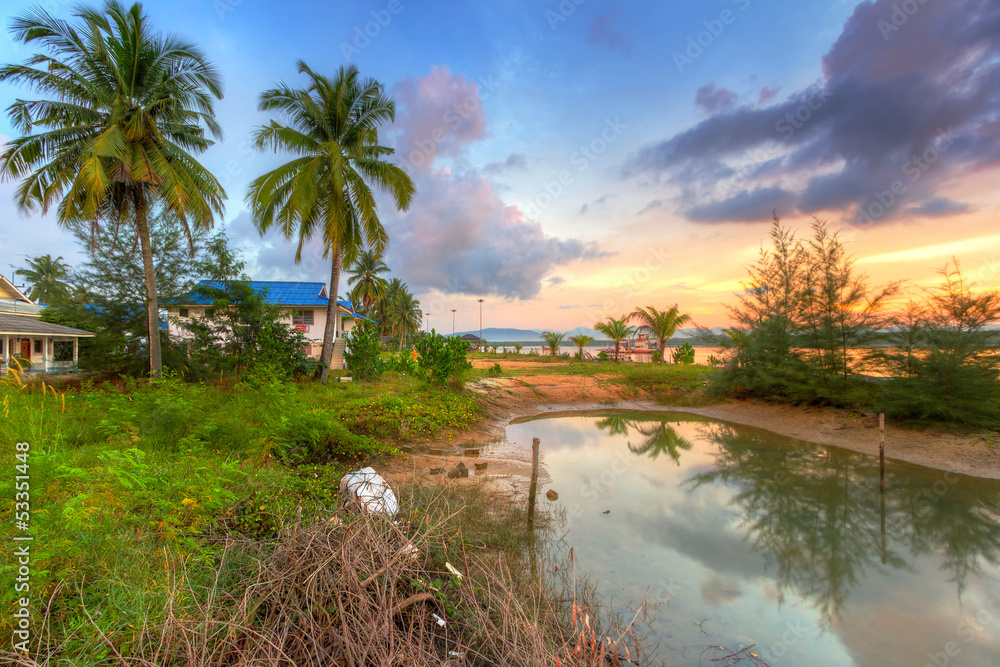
{"x": 738, "y": 536}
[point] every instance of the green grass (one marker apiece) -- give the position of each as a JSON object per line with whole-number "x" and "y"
{"x": 132, "y": 483}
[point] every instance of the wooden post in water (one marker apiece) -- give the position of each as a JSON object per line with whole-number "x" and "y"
{"x": 881, "y": 452}
{"x": 881, "y": 497}
{"x": 533, "y": 489}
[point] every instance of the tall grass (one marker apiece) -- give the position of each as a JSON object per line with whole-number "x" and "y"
{"x": 456, "y": 579}
{"x": 138, "y": 485}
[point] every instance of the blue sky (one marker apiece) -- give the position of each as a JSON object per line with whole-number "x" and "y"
{"x": 509, "y": 206}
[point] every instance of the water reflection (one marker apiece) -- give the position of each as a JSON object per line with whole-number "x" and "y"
{"x": 657, "y": 437}
{"x": 762, "y": 533}
{"x": 815, "y": 514}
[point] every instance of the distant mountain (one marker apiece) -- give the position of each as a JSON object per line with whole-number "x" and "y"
{"x": 687, "y": 333}
{"x": 505, "y": 335}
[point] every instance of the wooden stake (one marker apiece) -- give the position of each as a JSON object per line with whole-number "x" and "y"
{"x": 881, "y": 497}
{"x": 533, "y": 489}
{"x": 881, "y": 452}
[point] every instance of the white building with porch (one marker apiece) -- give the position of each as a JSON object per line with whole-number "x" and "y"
{"x": 49, "y": 348}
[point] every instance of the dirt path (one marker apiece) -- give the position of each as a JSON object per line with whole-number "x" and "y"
{"x": 532, "y": 395}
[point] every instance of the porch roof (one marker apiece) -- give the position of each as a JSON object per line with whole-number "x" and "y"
{"x": 13, "y": 325}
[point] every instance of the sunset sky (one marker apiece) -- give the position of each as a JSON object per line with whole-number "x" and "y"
{"x": 577, "y": 159}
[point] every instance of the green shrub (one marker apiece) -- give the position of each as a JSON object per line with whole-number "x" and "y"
{"x": 684, "y": 354}
{"x": 443, "y": 359}
{"x": 317, "y": 438}
{"x": 362, "y": 354}
{"x": 495, "y": 370}
{"x": 402, "y": 363}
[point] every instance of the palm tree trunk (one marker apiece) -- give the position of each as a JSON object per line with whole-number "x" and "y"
{"x": 326, "y": 356}
{"x": 152, "y": 307}
{"x": 663, "y": 350}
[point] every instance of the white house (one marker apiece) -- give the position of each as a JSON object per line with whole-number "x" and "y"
{"x": 49, "y": 347}
{"x": 304, "y": 306}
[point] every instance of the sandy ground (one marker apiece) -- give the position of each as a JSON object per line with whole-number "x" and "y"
{"x": 531, "y": 395}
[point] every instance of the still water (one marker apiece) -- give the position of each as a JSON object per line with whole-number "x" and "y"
{"x": 738, "y": 536}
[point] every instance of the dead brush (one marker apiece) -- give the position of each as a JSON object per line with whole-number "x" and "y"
{"x": 361, "y": 590}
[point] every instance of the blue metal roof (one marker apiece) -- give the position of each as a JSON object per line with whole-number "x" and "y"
{"x": 282, "y": 293}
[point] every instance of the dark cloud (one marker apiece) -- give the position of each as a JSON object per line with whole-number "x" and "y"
{"x": 939, "y": 207}
{"x": 712, "y": 99}
{"x": 555, "y": 280}
{"x": 604, "y": 31}
{"x": 514, "y": 162}
{"x": 748, "y": 206}
{"x": 904, "y": 106}
{"x": 767, "y": 94}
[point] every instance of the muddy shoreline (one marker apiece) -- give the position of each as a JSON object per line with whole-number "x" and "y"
{"x": 529, "y": 396}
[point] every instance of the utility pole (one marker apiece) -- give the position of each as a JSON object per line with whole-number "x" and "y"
{"x": 481, "y": 320}
{"x": 453, "y": 321}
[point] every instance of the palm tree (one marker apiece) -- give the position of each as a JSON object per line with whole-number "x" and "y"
{"x": 324, "y": 190}
{"x": 401, "y": 312}
{"x": 616, "y": 330}
{"x": 552, "y": 340}
{"x": 366, "y": 277}
{"x": 581, "y": 341}
{"x": 46, "y": 277}
{"x": 126, "y": 110}
{"x": 660, "y": 324}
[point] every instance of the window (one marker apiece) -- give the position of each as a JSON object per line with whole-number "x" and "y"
{"x": 302, "y": 317}
{"x": 38, "y": 346}
{"x": 62, "y": 350}
{"x": 184, "y": 312}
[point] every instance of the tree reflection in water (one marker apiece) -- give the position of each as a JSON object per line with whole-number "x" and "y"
{"x": 814, "y": 513}
{"x": 657, "y": 437}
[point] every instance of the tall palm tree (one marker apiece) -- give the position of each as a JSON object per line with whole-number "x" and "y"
{"x": 392, "y": 286}
{"x": 581, "y": 341}
{"x": 660, "y": 324}
{"x": 552, "y": 340}
{"x": 366, "y": 277}
{"x": 46, "y": 277}
{"x": 616, "y": 330}
{"x": 324, "y": 191}
{"x": 124, "y": 110}
{"x": 402, "y": 312}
